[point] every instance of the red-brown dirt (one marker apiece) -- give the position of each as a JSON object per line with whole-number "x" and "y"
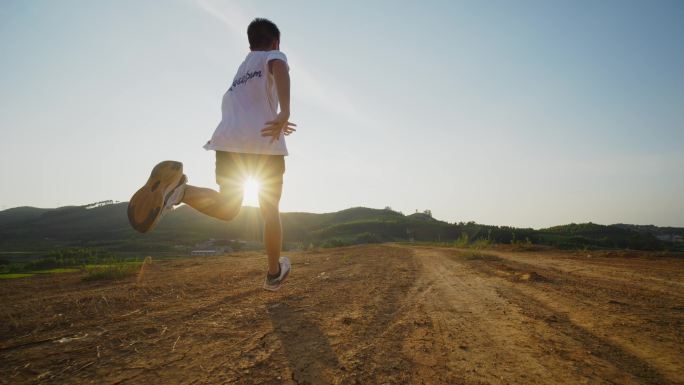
{"x": 383, "y": 314}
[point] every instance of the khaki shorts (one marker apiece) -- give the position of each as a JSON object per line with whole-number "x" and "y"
{"x": 232, "y": 169}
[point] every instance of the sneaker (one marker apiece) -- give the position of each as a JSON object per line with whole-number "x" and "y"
{"x": 164, "y": 188}
{"x": 176, "y": 196}
{"x": 274, "y": 284}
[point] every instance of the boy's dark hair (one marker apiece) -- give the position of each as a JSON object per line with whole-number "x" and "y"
{"x": 262, "y": 33}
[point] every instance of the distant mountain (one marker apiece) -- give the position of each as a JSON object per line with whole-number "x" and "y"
{"x": 675, "y": 234}
{"x": 611, "y": 236}
{"x": 18, "y": 214}
{"x": 105, "y": 225}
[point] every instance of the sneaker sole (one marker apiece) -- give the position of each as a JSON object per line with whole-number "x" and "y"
{"x": 276, "y": 288}
{"x": 147, "y": 204}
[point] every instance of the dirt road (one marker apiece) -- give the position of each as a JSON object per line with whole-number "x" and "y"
{"x": 380, "y": 314}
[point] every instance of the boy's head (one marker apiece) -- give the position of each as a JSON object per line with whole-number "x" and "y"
{"x": 263, "y": 35}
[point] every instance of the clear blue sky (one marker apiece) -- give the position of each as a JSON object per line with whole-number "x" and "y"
{"x": 524, "y": 113}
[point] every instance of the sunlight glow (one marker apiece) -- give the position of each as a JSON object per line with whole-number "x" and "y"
{"x": 251, "y": 197}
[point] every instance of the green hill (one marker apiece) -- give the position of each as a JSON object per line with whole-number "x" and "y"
{"x": 613, "y": 236}
{"x": 104, "y": 225}
{"x": 19, "y": 214}
{"x": 107, "y": 227}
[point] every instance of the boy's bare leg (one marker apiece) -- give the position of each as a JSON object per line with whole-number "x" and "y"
{"x": 223, "y": 205}
{"x": 226, "y": 205}
{"x": 269, "y": 203}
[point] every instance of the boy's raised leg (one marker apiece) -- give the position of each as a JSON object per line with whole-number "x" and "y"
{"x": 224, "y": 205}
{"x": 161, "y": 191}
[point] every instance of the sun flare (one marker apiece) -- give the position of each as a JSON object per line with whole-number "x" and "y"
{"x": 251, "y": 197}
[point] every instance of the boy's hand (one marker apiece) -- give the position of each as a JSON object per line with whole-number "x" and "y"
{"x": 278, "y": 125}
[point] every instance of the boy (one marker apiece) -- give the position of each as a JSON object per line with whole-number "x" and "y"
{"x": 244, "y": 148}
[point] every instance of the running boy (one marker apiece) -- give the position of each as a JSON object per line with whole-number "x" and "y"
{"x": 249, "y": 142}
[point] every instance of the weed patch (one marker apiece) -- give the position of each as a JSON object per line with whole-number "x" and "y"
{"x": 482, "y": 257}
{"x": 56, "y": 270}
{"x": 113, "y": 271}
{"x": 15, "y": 275}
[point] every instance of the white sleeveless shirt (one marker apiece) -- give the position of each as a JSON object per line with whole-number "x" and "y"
{"x": 250, "y": 102}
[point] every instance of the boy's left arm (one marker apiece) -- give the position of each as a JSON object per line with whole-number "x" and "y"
{"x": 282, "y": 83}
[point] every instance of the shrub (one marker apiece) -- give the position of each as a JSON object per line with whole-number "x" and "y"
{"x": 367, "y": 238}
{"x": 334, "y": 243}
{"x": 462, "y": 241}
{"x": 481, "y": 243}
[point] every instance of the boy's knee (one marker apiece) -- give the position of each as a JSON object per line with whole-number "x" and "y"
{"x": 229, "y": 206}
{"x": 227, "y": 214}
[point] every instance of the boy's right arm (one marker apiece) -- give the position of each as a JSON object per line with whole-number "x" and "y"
{"x": 282, "y": 83}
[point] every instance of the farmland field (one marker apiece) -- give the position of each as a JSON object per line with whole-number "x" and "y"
{"x": 385, "y": 314}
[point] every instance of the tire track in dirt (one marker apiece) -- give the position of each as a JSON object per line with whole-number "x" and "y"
{"x": 623, "y": 361}
{"x": 480, "y": 337}
{"x": 504, "y": 335}
{"x": 659, "y": 275}
{"x": 639, "y": 323}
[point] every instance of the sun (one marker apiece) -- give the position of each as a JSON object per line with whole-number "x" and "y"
{"x": 251, "y": 188}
